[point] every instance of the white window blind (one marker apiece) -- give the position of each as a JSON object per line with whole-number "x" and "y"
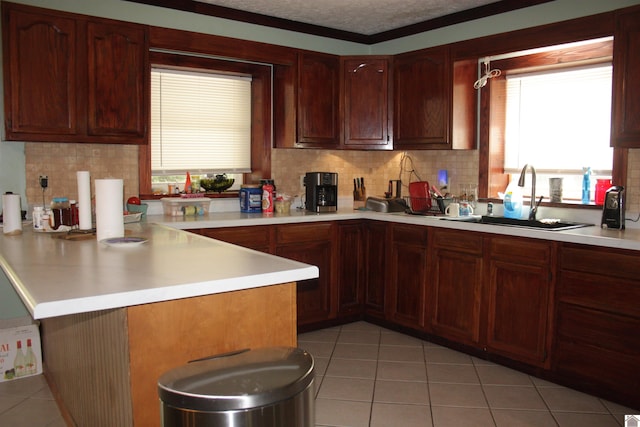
{"x": 559, "y": 120}
{"x": 200, "y": 122}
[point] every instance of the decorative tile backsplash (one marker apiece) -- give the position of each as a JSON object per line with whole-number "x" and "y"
{"x": 60, "y": 161}
{"x": 376, "y": 167}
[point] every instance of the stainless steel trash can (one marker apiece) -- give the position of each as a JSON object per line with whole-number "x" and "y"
{"x": 268, "y": 387}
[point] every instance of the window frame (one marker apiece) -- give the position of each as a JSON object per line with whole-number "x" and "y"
{"x": 261, "y": 107}
{"x": 490, "y": 118}
{"x": 586, "y": 28}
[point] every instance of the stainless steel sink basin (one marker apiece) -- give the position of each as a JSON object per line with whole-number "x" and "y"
{"x": 543, "y": 224}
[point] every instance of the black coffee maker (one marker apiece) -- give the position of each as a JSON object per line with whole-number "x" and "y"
{"x": 321, "y": 191}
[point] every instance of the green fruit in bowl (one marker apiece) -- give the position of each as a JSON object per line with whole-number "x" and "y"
{"x": 218, "y": 184}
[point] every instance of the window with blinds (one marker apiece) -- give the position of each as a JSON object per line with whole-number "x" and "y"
{"x": 560, "y": 122}
{"x": 200, "y": 123}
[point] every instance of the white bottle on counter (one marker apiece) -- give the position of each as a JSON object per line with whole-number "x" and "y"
{"x": 38, "y": 211}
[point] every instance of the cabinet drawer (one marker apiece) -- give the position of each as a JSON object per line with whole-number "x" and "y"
{"x": 528, "y": 250}
{"x": 410, "y": 234}
{"x": 599, "y": 348}
{"x": 607, "y": 262}
{"x": 296, "y": 233}
{"x": 600, "y": 292}
{"x": 258, "y": 236}
{"x": 458, "y": 240}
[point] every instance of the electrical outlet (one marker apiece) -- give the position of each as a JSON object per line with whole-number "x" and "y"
{"x": 44, "y": 181}
{"x": 301, "y": 181}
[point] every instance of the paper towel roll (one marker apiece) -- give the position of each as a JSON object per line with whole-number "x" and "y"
{"x": 11, "y": 215}
{"x": 109, "y": 208}
{"x": 84, "y": 199}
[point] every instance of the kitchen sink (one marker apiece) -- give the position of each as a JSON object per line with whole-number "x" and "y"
{"x": 543, "y": 224}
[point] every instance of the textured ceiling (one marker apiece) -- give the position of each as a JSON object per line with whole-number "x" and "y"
{"x": 358, "y": 16}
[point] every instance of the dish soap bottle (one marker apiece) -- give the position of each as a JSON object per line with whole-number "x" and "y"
{"x": 512, "y": 201}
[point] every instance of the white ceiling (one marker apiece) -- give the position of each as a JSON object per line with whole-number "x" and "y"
{"x": 358, "y": 16}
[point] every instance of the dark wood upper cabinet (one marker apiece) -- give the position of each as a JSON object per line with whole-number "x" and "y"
{"x": 626, "y": 85}
{"x": 40, "y": 73}
{"x": 422, "y": 92}
{"x": 117, "y": 76}
{"x": 318, "y": 116}
{"x": 366, "y": 109}
{"x": 68, "y": 79}
{"x": 343, "y": 102}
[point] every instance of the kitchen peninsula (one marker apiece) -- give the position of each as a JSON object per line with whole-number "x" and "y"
{"x": 114, "y": 318}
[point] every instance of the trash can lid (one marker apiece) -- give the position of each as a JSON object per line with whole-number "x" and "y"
{"x": 242, "y": 380}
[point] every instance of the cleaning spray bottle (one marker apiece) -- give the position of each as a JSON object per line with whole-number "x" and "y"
{"x": 512, "y": 200}
{"x": 586, "y": 185}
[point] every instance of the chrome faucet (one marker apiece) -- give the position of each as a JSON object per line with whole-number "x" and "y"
{"x": 534, "y": 205}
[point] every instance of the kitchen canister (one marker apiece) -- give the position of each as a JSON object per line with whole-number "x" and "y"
{"x": 250, "y": 198}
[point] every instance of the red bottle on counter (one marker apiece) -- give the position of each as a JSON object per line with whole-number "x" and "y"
{"x": 267, "y": 199}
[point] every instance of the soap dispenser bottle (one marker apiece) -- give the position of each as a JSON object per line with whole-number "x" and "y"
{"x": 513, "y": 201}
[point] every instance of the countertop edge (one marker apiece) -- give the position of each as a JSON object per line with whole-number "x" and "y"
{"x": 595, "y": 236}
{"x": 189, "y": 290}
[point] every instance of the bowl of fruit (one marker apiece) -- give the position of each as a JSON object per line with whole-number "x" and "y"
{"x": 216, "y": 185}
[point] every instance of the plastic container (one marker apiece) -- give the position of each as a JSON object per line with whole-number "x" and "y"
{"x": 250, "y": 199}
{"x": 602, "y": 185}
{"x": 188, "y": 206}
{"x": 513, "y": 201}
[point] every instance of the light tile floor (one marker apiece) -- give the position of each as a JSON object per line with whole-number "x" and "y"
{"x": 373, "y": 377}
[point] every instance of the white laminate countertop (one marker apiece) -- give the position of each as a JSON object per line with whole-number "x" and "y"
{"x": 622, "y": 239}
{"x": 56, "y": 277}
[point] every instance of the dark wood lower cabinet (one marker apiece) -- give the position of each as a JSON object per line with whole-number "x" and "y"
{"x": 566, "y": 312}
{"x": 519, "y": 290}
{"x": 407, "y": 276}
{"x": 351, "y": 275}
{"x": 456, "y": 285}
{"x": 375, "y": 257}
{"x": 597, "y": 328}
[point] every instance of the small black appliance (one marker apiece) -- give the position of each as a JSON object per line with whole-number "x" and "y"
{"x": 613, "y": 208}
{"x": 321, "y": 191}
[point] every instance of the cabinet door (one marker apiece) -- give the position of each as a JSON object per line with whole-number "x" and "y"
{"x": 456, "y": 289}
{"x": 626, "y": 86}
{"x": 311, "y": 244}
{"x": 41, "y": 74}
{"x": 375, "y": 244}
{"x": 422, "y": 93}
{"x": 350, "y": 269}
{"x": 407, "y": 281}
{"x": 318, "y": 100}
{"x": 519, "y": 291}
{"x": 117, "y": 81}
{"x": 366, "y": 103}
